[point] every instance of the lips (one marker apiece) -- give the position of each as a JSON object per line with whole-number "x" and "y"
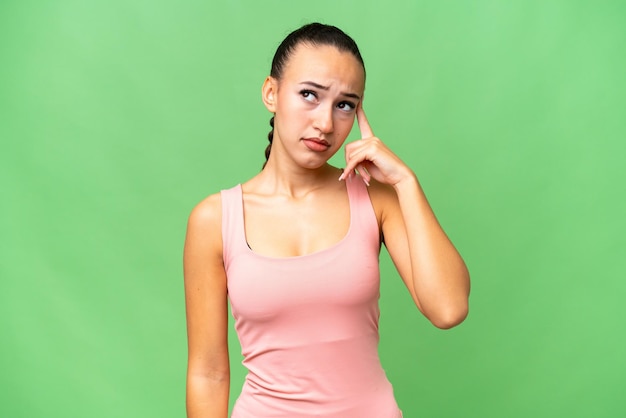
{"x": 316, "y": 144}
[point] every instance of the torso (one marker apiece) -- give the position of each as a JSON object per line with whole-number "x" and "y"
{"x": 307, "y": 321}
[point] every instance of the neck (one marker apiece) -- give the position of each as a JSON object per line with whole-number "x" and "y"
{"x": 294, "y": 181}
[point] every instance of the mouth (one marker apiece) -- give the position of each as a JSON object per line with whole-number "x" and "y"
{"x": 316, "y": 144}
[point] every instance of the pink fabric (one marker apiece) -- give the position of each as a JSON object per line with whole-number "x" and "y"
{"x": 308, "y": 325}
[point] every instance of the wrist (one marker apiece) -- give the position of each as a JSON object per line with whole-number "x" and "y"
{"x": 407, "y": 182}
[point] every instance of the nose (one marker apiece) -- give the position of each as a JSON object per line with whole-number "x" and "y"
{"x": 324, "y": 119}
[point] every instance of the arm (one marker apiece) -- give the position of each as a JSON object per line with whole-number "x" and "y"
{"x": 208, "y": 371}
{"x": 428, "y": 263}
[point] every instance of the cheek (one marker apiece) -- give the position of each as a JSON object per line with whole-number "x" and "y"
{"x": 290, "y": 117}
{"x": 343, "y": 125}
{"x": 293, "y": 110}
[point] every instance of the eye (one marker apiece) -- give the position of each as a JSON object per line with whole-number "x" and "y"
{"x": 346, "y": 106}
{"x": 308, "y": 95}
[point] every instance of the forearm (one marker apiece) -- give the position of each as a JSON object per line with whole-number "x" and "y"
{"x": 440, "y": 277}
{"x": 207, "y": 396}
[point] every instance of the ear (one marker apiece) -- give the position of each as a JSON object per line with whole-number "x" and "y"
{"x": 269, "y": 91}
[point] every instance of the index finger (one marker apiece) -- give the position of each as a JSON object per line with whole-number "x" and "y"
{"x": 364, "y": 126}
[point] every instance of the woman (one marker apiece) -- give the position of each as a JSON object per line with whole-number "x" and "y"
{"x": 302, "y": 271}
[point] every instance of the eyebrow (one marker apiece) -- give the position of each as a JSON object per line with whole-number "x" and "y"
{"x": 321, "y": 87}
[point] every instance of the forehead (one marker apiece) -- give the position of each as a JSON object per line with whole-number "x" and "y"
{"x": 325, "y": 65}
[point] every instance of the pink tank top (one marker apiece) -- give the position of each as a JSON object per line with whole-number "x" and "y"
{"x": 308, "y": 325}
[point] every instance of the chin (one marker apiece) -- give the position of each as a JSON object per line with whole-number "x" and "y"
{"x": 313, "y": 162}
{"x": 313, "y": 165}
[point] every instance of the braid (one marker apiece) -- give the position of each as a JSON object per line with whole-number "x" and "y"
{"x": 270, "y": 137}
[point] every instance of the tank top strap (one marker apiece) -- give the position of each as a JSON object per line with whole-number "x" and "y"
{"x": 233, "y": 234}
{"x": 361, "y": 209}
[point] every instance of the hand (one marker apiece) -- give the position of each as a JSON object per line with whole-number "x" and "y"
{"x": 371, "y": 158}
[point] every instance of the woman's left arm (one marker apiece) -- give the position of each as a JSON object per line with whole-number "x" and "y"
{"x": 426, "y": 259}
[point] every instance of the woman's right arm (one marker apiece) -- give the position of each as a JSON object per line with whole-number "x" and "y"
{"x": 208, "y": 371}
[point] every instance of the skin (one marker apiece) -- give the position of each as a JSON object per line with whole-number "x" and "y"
{"x": 297, "y": 206}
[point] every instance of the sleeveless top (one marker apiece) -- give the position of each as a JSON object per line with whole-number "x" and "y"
{"x": 308, "y": 325}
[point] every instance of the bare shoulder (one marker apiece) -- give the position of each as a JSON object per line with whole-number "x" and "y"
{"x": 205, "y": 221}
{"x": 207, "y": 212}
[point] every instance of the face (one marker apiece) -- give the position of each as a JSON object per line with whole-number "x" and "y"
{"x": 314, "y": 103}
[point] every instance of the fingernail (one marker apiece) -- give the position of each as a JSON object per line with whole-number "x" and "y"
{"x": 366, "y": 182}
{"x": 341, "y": 177}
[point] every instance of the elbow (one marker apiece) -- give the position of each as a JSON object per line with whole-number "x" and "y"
{"x": 452, "y": 309}
{"x": 450, "y": 317}
{"x": 216, "y": 374}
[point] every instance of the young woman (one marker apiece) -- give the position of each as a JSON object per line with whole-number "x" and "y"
{"x": 296, "y": 248}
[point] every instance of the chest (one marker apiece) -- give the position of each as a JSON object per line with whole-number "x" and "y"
{"x": 282, "y": 227}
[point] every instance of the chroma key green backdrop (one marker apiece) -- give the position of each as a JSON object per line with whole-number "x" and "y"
{"x": 118, "y": 116}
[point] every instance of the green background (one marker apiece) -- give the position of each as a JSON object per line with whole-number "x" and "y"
{"x": 118, "y": 116}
